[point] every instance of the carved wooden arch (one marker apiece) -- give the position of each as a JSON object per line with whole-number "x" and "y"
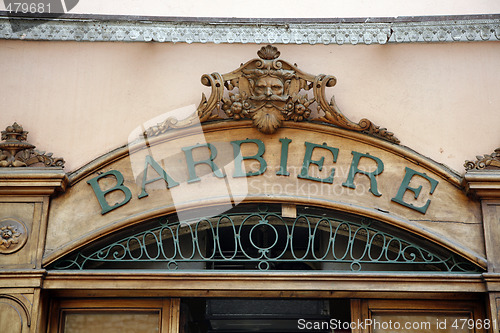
{"x": 136, "y": 213}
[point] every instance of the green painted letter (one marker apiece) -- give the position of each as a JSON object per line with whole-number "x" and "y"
{"x": 354, "y": 170}
{"x": 405, "y": 186}
{"x": 100, "y": 194}
{"x": 188, "y": 151}
{"x": 163, "y": 175}
{"x": 238, "y": 158}
{"x": 284, "y": 157}
{"x": 304, "y": 172}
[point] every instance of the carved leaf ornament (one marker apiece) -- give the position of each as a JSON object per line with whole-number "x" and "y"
{"x": 16, "y": 152}
{"x": 269, "y": 91}
{"x": 486, "y": 162}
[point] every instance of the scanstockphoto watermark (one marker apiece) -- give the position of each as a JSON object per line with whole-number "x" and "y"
{"x": 46, "y": 9}
{"x": 266, "y": 182}
{"x": 437, "y": 325}
{"x": 335, "y": 324}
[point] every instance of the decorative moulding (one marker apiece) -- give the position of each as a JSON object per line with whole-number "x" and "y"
{"x": 482, "y": 178}
{"x": 275, "y": 285}
{"x": 32, "y": 181}
{"x": 483, "y": 185}
{"x": 15, "y": 151}
{"x": 269, "y": 92}
{"x": 492, "y": 281}
{"x": 486, "y": 162}
{"x": 273, "y": 31}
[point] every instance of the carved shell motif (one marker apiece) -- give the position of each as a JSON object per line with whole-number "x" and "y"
{"x": 269, "y": 91}
{"x": 268, "y": 52}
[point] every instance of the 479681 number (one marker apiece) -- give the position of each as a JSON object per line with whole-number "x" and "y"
{"x": 471, "y": 324}
{"x": 25, "y": 7}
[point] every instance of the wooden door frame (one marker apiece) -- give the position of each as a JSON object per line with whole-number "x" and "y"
{"x": 169, "y": 308}
{"x": 364, "y": 308}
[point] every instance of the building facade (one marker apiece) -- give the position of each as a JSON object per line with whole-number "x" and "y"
{"x": 336, "y": 175}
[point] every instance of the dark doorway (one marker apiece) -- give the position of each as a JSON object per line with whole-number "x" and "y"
{"x": 238, "y": 315}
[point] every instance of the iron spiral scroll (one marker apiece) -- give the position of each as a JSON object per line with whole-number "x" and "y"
{"x": 266, "y": 241}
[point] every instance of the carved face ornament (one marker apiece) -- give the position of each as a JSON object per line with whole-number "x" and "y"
{"x": 13, "y": 235}
{"x": 268, "y": 88}
{"x": 268, "y": 103}
{"x": 268, "y": 91}
{"x": 8, "y": 236}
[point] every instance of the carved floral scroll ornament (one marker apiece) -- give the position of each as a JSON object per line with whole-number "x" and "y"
{"x": 486, "y": 162}
{"x": 269, "y": 91}
{"x": 15, "y": 152}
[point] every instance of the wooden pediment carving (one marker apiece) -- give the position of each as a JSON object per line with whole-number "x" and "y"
{"x": 270, "y": 91}
{"x": 15, "y": 151}
{"x": 486, "y": 162}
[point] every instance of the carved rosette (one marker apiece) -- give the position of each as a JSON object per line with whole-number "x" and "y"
{"x": 13, "y": 235}
{"x": 486, "y": 162}
{"x": 15, "y": 152}
{"x": 269, "y": 91}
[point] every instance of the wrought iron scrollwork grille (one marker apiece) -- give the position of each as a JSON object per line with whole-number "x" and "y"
{"x": 263, "y": 241}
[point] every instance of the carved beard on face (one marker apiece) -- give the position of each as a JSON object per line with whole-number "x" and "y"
{"x": 267, "y": 120}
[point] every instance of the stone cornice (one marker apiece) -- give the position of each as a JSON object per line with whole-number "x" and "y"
{"x": 492, "y": 281}
{"x": 32, "y": 181}
{"x": 483, "y": 184}
{"x": 29, "y": 278}
{"x": 273, "y": 31}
